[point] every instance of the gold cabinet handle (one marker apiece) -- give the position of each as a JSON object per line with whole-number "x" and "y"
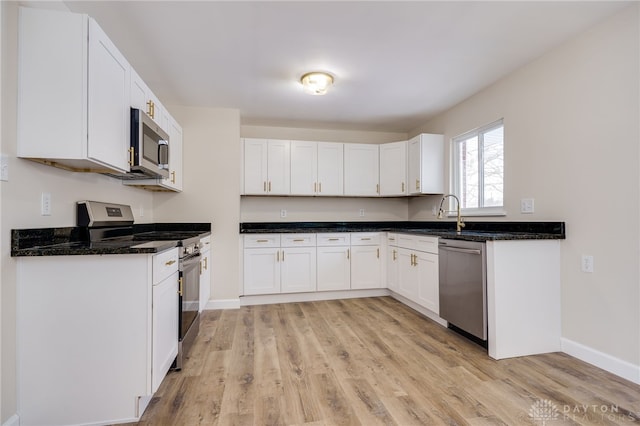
{"x": 264, "y": 186}
{"x": 278, "y": 256}
{"x": 411, "y": 259}
{"x": 180, "y": 286}
{"x": 402, "y": 187}
{"x": 283, "y": 255}
{"x": 269, "y": 186}
{"x": 206, "y": 263}
{"x": 394, "y": 255}
{"x": 348, "y": 250}
{"x": 417, "y": 184}
{"x": 377, "y": 188}
{"x": 169, "y": 263}
{"x": 173, "y": 177}
{"x": 151, "y": 109}
{"x": 201, "y": 267}
{"x": 315, "y": 186}
{"x": 378, "y": 253}
{"x": 320, "y": 187}
{"x": 132, "y": 154}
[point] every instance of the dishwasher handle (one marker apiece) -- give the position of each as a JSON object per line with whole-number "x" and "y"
{"x": 460, "y": 250}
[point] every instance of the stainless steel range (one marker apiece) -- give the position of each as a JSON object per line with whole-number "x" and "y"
{"x": 113, "y": 223}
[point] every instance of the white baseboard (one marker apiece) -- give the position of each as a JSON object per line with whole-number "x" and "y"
{"x": 222, "y": 304}
{"x": 424, "y": 311}
{"x": 613, "y": 365}
{"x": 311, "y": 297}
{"x": 12, "y": 421}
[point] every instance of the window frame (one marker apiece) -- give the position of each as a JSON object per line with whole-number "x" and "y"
{"x": 455, "y": 171}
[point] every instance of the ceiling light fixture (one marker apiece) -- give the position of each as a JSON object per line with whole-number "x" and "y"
{"x": 316, "y": 82}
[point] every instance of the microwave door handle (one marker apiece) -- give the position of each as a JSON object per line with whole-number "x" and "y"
{"x": 163, "y": 145}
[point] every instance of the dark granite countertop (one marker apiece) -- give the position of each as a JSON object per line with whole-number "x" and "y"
{"x": 73, "y": 241}
{"x": 473, "y": 231}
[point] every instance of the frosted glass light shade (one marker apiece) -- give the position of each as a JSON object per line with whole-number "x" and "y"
{"x": 316, "y": 83}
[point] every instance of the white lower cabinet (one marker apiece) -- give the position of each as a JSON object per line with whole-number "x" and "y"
{"x": 334, "y": 265}
{"x": 112, "y": 323}
{"x": 393, "y": 263}
{"x": 275, "y": 263}
{"x": 205, "y": 271}
{"x": 366, "y": 260}
{"x": 418, "y": 270}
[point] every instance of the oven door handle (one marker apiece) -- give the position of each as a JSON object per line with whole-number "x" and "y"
{"x": 192, "y": 258}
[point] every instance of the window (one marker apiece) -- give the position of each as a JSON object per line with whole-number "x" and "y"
{"x": 478, "y": 167}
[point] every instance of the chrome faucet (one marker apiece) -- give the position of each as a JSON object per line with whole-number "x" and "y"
{"x": 441, "y": 212}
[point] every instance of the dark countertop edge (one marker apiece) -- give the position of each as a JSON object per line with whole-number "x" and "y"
{"x": 473, "y": 231}
{"x": 65, "y": 251}
{"x": 42, "y": 241}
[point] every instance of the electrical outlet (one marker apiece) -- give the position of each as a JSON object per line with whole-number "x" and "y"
{"x": 45, "y": 204}
{"x": 4, "y": 168}
{"x": 526, "y": 205}
{"x": 361, "y": 213}
{"x": 283, "y": 213}
{"x": 587, "y": 263}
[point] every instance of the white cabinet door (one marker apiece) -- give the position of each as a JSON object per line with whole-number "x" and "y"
{"x": 426, "y": 164}
{"x": 407, "y": 275}
{"x": 278, "y": 167}
{"x": 108, "y": 99}
{"x": 304, "y": 168}
{"x": 298, "y": 269}
{"x": 393, "y": 168}
{"x": 261, "y": 271}
{"x": 428, "y": 291}
{"x": 174, "y": 181}
{"x": 366, "y": 267}
{"x": 334, "y": 268}
{"x": 266, "y": 167}
{"x": 361, "y": 169}
{"x": 330, "y": 169}
{"x": 164, "y": 328}
{"x": 205, "y": 279}
{"x": 255, "y": 166}
{"x": 393, "y": 268}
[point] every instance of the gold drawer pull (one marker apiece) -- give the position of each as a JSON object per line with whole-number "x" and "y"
{"x": 334, "y": 239}
{"x": 169, "y": 263}
{"x": 365, "y": 239}
{"x": 298, "y": 240}
{"x": 262, "y": 241}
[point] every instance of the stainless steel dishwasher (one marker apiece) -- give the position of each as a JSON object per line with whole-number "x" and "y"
{"x": 463, "y": 286}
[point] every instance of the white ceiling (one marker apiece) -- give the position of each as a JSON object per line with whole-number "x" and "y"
{"x": 396, "y": 63}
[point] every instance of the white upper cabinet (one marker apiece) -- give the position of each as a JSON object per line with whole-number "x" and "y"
{"x": 317, "y": 168}
{"x": 393, "y": 169}
{"x": 143, "y": 99}
{"x": 304, "y": 168}
{"x": 75, "y": 83}
{"x": 266, "y": 167}
{"x": 361, "y": 169}
{"x": 426, "y": 164}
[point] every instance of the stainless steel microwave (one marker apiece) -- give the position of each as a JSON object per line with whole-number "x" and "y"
{"x": 149, "y": 151}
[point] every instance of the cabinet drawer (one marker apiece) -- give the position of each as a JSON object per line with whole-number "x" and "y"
{"x": 164, "y": 264}
{"x": 365, "y": 238}
{"x": 205, "y": 243}
{"x": 426, "y": 244}
{"x": 298, "y": 240}
{"x": 261, "y": 240}
{"x": 406, "y": 241}
{"x": 336, "y": 239}
{"x": 392, "y": 239}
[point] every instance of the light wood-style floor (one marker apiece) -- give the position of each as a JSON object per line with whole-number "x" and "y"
{"x": 373, "y": 361}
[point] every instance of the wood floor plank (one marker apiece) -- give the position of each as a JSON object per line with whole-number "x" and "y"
{"x": 372, "y": 361}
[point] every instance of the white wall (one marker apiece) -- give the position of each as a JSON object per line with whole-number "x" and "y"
{"x": 572, "y": 143}
{"x": 211, "y": 158}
